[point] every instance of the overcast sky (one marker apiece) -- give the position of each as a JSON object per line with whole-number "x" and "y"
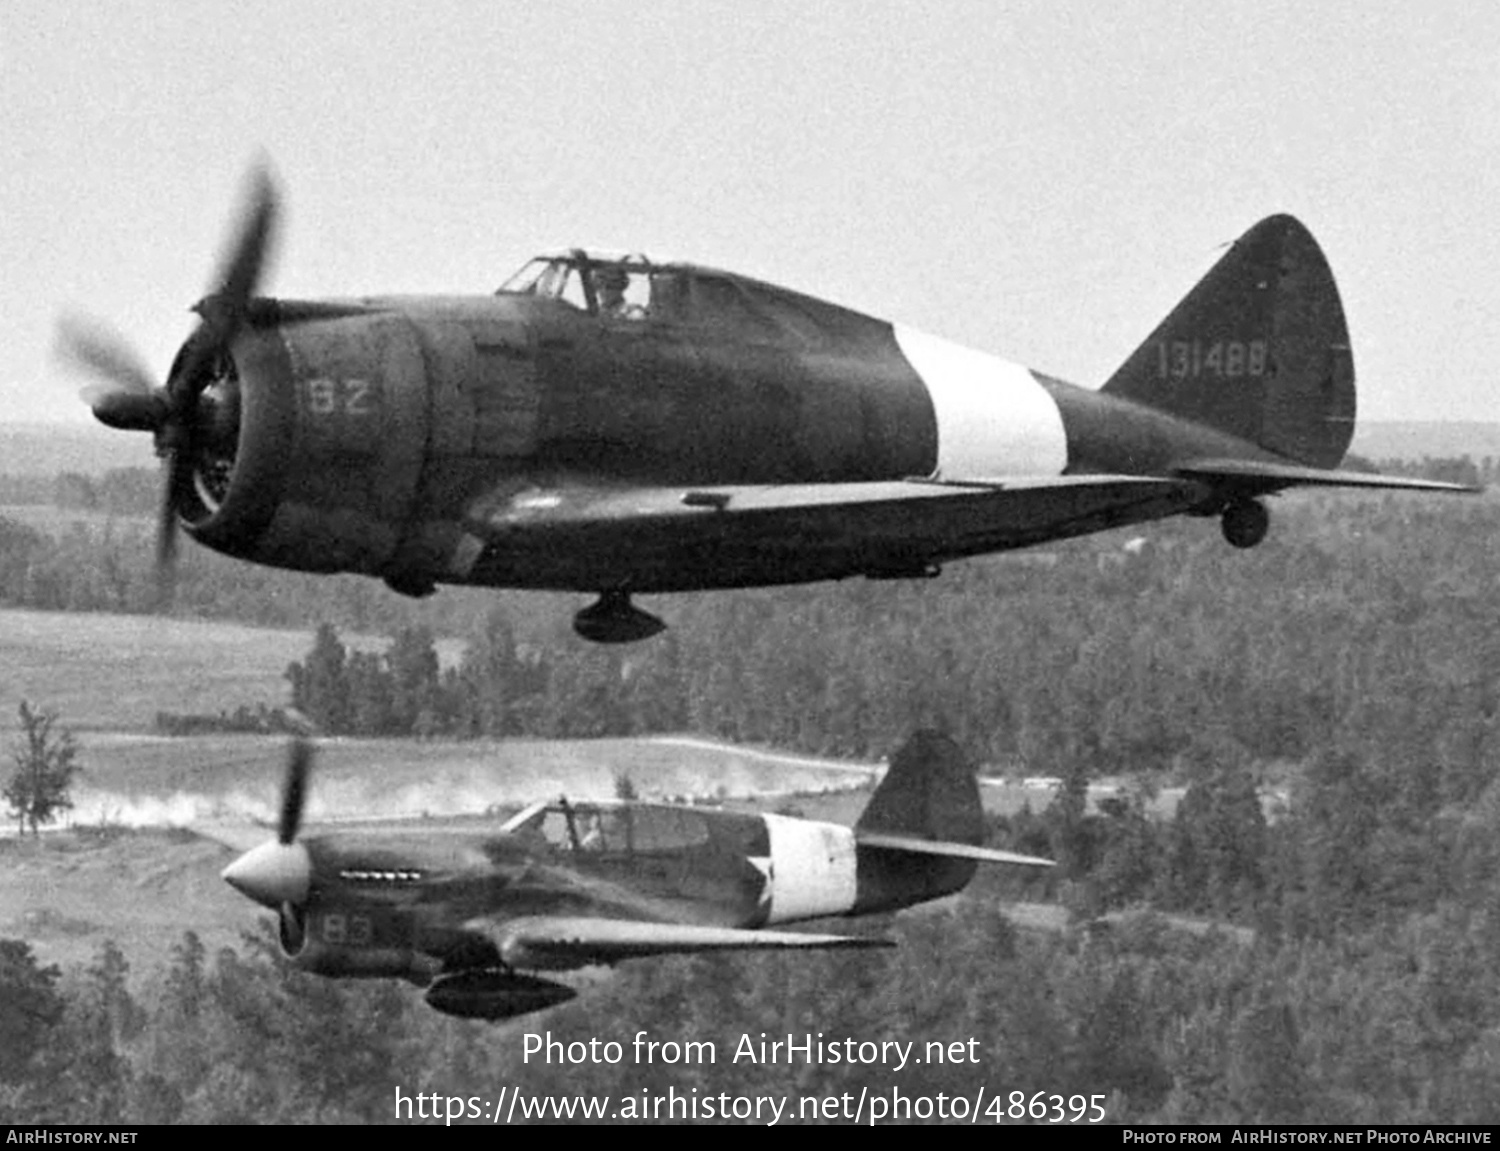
{"x": 1041, "y": 180}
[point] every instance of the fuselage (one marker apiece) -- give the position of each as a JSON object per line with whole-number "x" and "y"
{"x": 413, "y": 904}
{"x": 502, "y": 440}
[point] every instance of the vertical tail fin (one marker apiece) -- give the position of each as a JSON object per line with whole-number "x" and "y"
{"x": 929, "y": 792}
{"x": 1258, "y": 349}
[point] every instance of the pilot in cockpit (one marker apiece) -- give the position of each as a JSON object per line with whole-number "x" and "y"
{"x": 610, "y": 285}
{"x": 593, "y": 835}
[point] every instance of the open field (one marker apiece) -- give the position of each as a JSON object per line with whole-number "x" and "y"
{"x": 84, "y": 446}
{"x": 58, "y": 522}
{"x": 161, "y": 781}
{"x": 104, "y": 672}
{"x": 117, "y": 671}
{"x": 69, "y": 892}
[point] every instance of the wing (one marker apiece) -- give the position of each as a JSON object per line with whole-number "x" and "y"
{"x": 943, "y": 847}
{"x": 585, "y": 503}
{"x": 786, "y": 533}
{"x": 1271, "y": 476}
{"x": 559, "y": 942}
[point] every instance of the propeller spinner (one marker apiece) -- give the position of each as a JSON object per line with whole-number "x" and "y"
{"x": 198, "y": 406}
{"x": 278, "y": 874}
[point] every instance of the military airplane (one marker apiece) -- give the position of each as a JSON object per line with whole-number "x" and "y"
{"x": 473, "y": 915}
{"x": 618, "y": 426}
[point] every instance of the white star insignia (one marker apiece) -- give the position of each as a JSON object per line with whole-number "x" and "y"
{"x": 762, "y": 864}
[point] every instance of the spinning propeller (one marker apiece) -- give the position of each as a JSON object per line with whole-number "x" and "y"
{"x": 198, "y": 406}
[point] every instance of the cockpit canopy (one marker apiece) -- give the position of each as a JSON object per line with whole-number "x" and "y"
{"x": 599, "y": 285}
{"x": 612, "y": 827}
{"x": 633, "y": 289}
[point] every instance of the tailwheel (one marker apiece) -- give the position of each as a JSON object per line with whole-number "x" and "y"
{"x": 614, "y": 619}
{"x": 1245, "y": 523}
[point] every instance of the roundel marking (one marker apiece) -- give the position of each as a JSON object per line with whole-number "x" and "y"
{"x": 993, "y": 418}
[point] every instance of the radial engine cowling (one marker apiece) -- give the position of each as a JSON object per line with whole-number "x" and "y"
{"x": 322, "y": 472}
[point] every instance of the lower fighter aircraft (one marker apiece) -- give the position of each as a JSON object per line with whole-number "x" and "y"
{"x": 618, "y": 426}
{"x": 472, "y": 915}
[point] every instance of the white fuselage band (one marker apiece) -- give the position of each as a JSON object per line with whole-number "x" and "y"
{"x": 993, "y": 418}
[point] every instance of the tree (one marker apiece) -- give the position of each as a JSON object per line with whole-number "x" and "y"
{"x": 1266, "y": 1073}
{"x": 414, "y": 674}
{"x": 320, "y": 687}
{"x": 30, "y": 1007}
{"x": 45, "y": 759}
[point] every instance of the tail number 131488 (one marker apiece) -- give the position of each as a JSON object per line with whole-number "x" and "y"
{"x": 1227, "y": 359}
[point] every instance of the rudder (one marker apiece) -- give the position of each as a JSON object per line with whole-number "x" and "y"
{"x": 1258, "y": 349}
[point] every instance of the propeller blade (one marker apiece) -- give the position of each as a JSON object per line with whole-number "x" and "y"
{"x": 125, "y": 396}
{"x": 293, "y": 927}
{"x": 294, "y": 792}
{"x": 96, "y": 349}
{"x": 122, "y": 394}
{"x": 166, "y": 534}
{"x": 224, "y": 308}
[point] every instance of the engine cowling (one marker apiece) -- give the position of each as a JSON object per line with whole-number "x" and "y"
{"x": 332, "y": 433}
{"x": 347, "y": 437}
{"x": 351, "y": 944}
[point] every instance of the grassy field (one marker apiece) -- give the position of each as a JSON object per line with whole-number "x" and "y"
{"x": 146, "y": 780}
{"x": 68, "y": 892}
{"x": 59, "y": 522}
{"x": 76, "y": 446}
{"x": 105, "y": 672}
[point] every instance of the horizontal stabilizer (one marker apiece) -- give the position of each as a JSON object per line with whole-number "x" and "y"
{"x": 1271, "y": 476}
{"x": 940, "y": 847}
{"x": 563, "y": 942}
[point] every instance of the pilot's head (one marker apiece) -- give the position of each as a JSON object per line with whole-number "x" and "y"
{"x": 611, "y": 282}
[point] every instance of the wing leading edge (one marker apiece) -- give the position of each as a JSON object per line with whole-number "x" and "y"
{"x": 559, "y": 943}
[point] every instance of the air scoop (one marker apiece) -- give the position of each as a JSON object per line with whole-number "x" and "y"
{"x": 272, "y": 874}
